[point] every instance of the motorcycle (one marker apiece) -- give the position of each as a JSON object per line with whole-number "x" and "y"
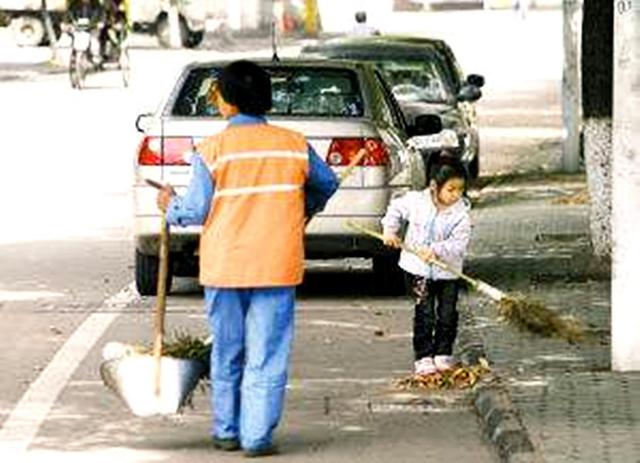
{"x": 88, "y": 55}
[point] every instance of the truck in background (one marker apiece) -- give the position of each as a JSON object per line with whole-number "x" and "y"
{"x": 26, "y": 19}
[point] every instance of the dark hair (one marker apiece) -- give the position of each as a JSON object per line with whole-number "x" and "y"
{"x": 446, "y": 168}
{"x": 247, "y": 86}
{"x": 361, "y": 16}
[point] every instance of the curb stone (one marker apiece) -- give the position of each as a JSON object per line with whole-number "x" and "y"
{"x": 503, "y": 425}
{"x": 492, "y": 402}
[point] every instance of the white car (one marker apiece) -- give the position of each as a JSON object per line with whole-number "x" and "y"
{"x": 341, "y": 107}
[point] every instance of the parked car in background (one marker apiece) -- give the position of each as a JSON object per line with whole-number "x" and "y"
{"x": 425, "y": 78}
{"x": 341, "y": 107}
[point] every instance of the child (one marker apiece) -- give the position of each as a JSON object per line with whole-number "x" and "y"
{"x": 438, "y": 226}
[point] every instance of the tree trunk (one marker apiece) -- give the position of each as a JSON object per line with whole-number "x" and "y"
{"x": 571, "y": 102}
{"x": 625, "y": 316}
{"x": 597, "y": 151}
{"x": 597, "y": 94}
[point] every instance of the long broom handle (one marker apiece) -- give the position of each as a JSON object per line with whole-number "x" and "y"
{"x": 345, "y": 173}
{"x": 485, "y": 288}
{"x": 161, "y": 301}
{"x": 352, "y": 165}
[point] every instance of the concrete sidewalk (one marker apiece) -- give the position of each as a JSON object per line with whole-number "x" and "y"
{"x": 565, "y": 400}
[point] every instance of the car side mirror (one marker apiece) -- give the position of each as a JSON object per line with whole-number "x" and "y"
{"x": 475, "y": 79}
{"x": 469, "y": 93}
{"x": 425, "y": 124}
{"x": 143, "y": 122}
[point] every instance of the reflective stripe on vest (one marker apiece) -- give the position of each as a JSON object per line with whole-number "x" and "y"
{"x": 257, "y": 155}
{"x": 252, "y": 190}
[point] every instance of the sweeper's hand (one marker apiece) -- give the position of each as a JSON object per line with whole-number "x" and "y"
{"x": 426, "y": 254}
{"x": 391, "y": 239}
{"x": 164, "y": 196}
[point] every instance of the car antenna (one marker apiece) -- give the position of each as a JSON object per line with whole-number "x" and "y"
{"x": 274, "y": 48}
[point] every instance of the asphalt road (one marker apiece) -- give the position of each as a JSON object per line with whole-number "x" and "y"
{"x": 66, "y": 268}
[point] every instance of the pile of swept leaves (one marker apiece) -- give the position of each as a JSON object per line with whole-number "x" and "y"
{"x": 460, "y": 377}
{"x": 581, "y": 197}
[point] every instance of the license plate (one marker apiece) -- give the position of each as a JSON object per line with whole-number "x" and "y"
{"x": 81, "y": 40}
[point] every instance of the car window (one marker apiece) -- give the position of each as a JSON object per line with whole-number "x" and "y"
{"x": 413, "y": 81}
{"x": 304, "y": 91}
{"x": 392, "y": 110}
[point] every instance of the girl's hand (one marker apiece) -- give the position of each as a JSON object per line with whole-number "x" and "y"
{"x": 164, "y": 196}
{"x": 426, "y": 254}
{"x": 392, "y": 240}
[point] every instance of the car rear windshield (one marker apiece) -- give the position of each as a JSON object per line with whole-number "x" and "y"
{"x": 297, "y": 92}
{"x": 413, "y": 74}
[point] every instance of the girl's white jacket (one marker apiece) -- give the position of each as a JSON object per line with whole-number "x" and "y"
{"x": 446, "y": 232}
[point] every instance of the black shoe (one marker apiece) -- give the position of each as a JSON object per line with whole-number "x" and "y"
{"x": 228, "y": 445}
{"x": 261, "y": 452}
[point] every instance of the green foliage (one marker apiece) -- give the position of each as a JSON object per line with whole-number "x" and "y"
{"x": 186, "y": 346}
{"x": 181, "y": 345}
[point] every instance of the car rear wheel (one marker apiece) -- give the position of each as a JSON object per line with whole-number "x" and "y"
{"x": 388, "y": 277}
{"x": 147, "y": 274}
{"x": 194, "y": 38}
{"x": 28, "y": 31}
{"x": 163, "y": 32}
{"x": 474, "y": 168}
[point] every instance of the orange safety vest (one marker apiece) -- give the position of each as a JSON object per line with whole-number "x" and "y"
{"x": 253, "y": 235}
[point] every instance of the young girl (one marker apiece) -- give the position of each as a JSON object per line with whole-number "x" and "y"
{"x": 439, "y": 227}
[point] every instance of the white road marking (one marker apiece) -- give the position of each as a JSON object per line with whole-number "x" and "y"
{"x": 25, "y": 420}
{"x": 522, "y": 133}
{"x": 520, "y": 112}
{"x": 338, "y": 324}
{"x": 12, "y": 296}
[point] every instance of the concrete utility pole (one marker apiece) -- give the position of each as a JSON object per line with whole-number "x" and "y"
{"x": 175, "y": 36}
{"x": 51, "y": 35}
{"x": 625, "y": 314}
{"x": 571, "y": 90}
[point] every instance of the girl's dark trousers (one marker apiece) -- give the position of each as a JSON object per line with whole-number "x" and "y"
{"x": 435, "y": 320}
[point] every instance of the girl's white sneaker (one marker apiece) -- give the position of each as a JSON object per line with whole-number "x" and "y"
{"x": 425, "y": 366}
{"x": 444, "y": 362}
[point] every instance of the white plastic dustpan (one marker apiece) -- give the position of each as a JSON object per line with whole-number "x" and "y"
{"x": 133, "y": 379}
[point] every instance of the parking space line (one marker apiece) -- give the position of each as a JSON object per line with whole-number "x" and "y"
{"x": 25, "y": 420}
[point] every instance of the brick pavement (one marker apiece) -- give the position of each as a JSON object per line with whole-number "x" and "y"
{"x": 571, "y": 405}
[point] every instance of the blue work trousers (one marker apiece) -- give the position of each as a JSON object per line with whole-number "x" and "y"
{"x": 252, "y": 330}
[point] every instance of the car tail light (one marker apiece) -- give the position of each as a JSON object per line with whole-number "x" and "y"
{"x": 167, "y": 151}
{"x": 343, "y": 150}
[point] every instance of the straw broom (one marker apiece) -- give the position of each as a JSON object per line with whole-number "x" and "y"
{"x": 519, "y": 311}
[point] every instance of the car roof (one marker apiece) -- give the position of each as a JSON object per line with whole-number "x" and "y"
{"x": 373, "y": 44}
{"x": 376, "y": 49}
{"x": 311, "y": 62}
